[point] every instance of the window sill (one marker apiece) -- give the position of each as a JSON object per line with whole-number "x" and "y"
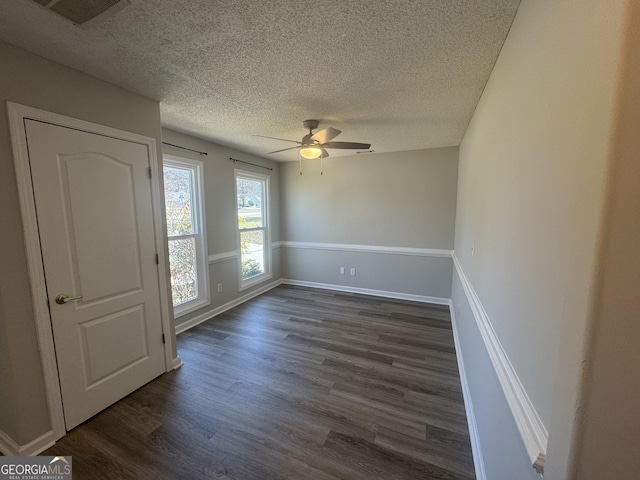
{"x": 244, "y": 285}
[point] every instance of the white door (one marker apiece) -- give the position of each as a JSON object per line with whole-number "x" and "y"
{"x": 95, "y": 220}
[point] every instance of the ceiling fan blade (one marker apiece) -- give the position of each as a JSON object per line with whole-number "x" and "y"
{"x": 283, "y": 150}
{"x": 323, "y": 136}
{"x": 351, "y": 145}
{"x": 325, "y": 154}
{"x": 283, "y": 139}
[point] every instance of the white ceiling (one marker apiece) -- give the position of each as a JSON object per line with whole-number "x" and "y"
{"x": 399, "y": 74}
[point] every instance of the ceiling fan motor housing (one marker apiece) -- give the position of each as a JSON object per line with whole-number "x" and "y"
{"x": 310, "y": 124}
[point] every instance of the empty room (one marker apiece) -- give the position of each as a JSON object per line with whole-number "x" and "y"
{"x": 391, "y": 239}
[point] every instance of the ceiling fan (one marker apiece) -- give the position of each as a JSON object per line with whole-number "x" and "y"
{"x": 314, "y": 145}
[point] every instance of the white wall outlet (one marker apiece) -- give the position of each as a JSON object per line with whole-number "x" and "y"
{"x": 353, "y": 272}
{"x": 341, "y": 270}
{"x": 219, "y": 287}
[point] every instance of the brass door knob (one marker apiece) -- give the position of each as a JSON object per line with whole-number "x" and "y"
{"x": 63, "y": 298}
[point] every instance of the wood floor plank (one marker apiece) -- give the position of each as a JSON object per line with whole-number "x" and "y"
{"x": 430, "y": 449}
{"x": 380, "y": 463}
{"x": 298, "y": 383}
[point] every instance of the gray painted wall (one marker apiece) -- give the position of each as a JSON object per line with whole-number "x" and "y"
{"x": 609, "y": 421}
{"x": 531, "y": 189}
{"x": 499, "y": 435}
{"x": 220, "y": 206}
{"x": 403, "y": 199}
{"x": 30, "y": 80}
{"x": 403, "y": 275}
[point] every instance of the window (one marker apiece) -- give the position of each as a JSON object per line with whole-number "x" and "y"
{"x": 252, "y": 201}
{"x": 184, "y": 202}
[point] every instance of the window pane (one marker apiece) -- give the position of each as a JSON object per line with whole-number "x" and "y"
{"x": 182, "y": 262}
{"x": 177, "y": 193}
{"x": 252, "y": 253}
{"x": 250, "y": 207}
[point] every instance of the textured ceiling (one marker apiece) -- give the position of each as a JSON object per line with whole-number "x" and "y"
{"x": 400, "y": 74}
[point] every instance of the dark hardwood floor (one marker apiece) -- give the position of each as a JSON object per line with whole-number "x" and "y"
{"x": 300, "y": 384}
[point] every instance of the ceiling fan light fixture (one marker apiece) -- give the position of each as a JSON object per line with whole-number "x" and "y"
{"x": 310, "y": 151}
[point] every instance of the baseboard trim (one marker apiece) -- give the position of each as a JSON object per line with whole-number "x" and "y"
{"x": 368, "y": 291}
{"x": 176, "y": 363}
{"x": 348, "y": 247}
{"x": 10, "y": 448}
{"x": 203, "y": 317}
{"x": 533, "y": 432}
{"x": 474, "y": 435}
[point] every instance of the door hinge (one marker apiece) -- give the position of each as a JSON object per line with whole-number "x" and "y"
{"x": 163, "y": 339}
{"x": 149, "y": 171}
{"x": 157, "y": 259}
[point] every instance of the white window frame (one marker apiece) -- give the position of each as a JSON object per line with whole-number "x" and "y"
{"x": 196, "y": 168}
{"x": 243, "y": 174}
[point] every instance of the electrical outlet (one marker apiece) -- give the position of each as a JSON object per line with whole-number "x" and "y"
{"x": 341, "y": 270}
{"x": 219, "y": 287}
{"x": 353, "y": 272}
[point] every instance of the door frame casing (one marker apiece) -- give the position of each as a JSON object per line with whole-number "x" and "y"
{"x": 17, "y": 115}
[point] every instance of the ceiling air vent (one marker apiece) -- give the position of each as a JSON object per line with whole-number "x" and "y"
{"x": 81, "y": 12}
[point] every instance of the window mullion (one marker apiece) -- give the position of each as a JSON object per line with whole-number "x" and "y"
{"x": 186, "y": 235}
{"x": 254, "y": 229}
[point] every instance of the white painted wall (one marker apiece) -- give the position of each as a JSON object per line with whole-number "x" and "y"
{"x": 530, "y": 196}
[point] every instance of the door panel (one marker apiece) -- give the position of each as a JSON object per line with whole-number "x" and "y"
{"x": 95, "y": 220}
{"x": 113, "y": 342}
{"x": 92, "y": 177}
